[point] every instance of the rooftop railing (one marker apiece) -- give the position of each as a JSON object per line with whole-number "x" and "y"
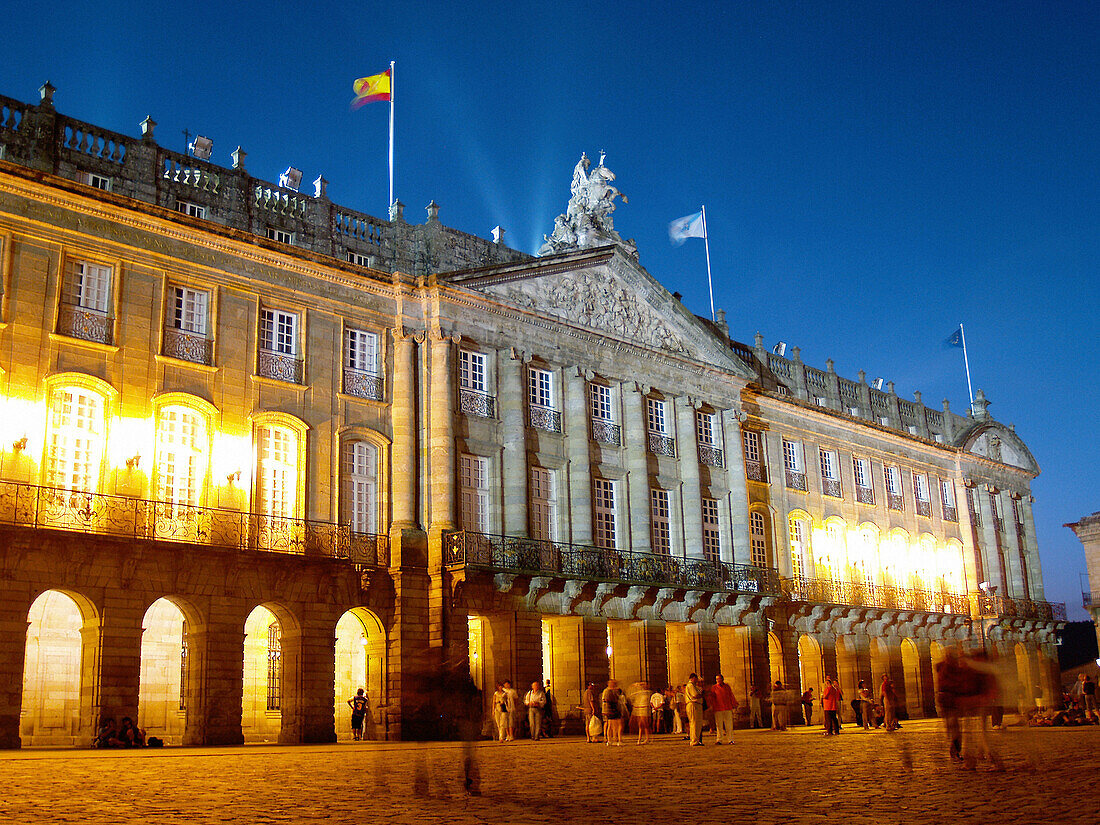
{"x": 26, "y": 505}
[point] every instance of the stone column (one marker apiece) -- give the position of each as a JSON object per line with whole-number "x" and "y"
{"x": 14, "y": 606}
{"x": 993, "y": 560}
{"x": 215, "y": 687}
{"x": 692, "y": 648}
{"x": 513, "y": 384}
{"x": 1034, "y": 567}
{"x": 924, "y": 676}
{"x": 577, "y": 656}
{"x": 513, "y": 648}
{"x": 575, "y": 405}
{"x": 639, "y": 653}
{"x": 403, "y": 414}
{"x": 309, "y": 662}
{"x": 689, "y": 475}
{"x": 743, "y": 658}
{"x": 635, "y": 434}
{"x": 736, "y": 543}
{"x": 1010, "y": 542}
{"x": 115, "y": 685}
{"x": 442, "y": 481}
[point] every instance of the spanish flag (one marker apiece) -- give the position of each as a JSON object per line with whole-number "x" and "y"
{"x": 369, "y": 89}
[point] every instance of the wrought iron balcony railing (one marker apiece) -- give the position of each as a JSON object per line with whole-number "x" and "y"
{"x": 50, "y": 508}
{"x": 660, "y": 444}
{"x": 865, "y": 495}
{"x": 188, "y": 346}
{"x": 830, "y": 487}
{"x": 476, "y": 403}
{"x": 280, "y": 366}
{"x": 544, "y": 418}
{"x": 755, "y": 471}
{"x": 894, "y": 501}
{"x": 924, "y": 508}
{"x": 1004, "y": 607}
{"x": 466, "y": 548}
{"x": 86, "y": 324}
{"x": 1088, "y": 599}
{"x": 605, "y": 432}
{"x": 950, "y": 513}
{"x": 711, "y": 456}
{"x": 829, "y": 591}
{"x": 796, "y": 480}
{"x": 363, "y": 384}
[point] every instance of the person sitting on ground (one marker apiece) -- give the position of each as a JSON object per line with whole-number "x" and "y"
{"x": 107, "y": 735}
{"x": 130, "y": 734}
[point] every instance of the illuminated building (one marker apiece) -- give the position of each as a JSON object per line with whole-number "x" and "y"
{"x": 255, "y": 444}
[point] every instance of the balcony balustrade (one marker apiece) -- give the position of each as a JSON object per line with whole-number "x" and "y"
{"x": 660, "y": 444}
{"x": 889, "y": 597}
{"x": 796, "y": 480}
{"x": 473, "y": 402}
{"x": 363, "y": 384}
{"x": 605, "y": 432}
{"x": 188, "y": 346}
{"x": 924, "y": 508}
{"x": 865, "y": 495}
{"x": 950, "y": 513}
{"x": 85, "y": 324}
{"x": 1004, "y": 607}
{"x": 543, "y": 418}
{"x": 711, "y": 456}
{"x": 830, "y": 487}
{"x": 50, "y": 508}
{"x": 280, "y": 366}
{"x": 894, "y": 501}
{"x": 755, "y": 471}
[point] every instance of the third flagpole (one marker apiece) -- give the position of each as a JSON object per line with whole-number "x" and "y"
{"x": 389, "y": 206}
{"x": 706, "y": 243}
{"x": 966, "y": 361}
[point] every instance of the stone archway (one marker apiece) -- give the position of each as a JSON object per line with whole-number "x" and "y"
{"x": 811, "y": 672}
{"x": 59, "y": 673}
{"x": 360, "y": 664}
{"x": 911, "y": 666}
{"x": 167, "y": 684}
{"x": 262, "y": 699}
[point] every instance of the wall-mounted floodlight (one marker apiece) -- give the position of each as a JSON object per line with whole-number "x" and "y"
{"x": 291, "y": 178}
{"x": 780, "y": 349}
{"x": 201, "y": 147}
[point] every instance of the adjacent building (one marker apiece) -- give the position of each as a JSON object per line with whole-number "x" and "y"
{"x": 258, "y": 450}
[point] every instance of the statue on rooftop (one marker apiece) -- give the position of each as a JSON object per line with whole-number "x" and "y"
{"x": 587, "y": 220}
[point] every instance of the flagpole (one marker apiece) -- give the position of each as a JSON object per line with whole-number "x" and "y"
{"x": 389, "y": 206}
{"x": 966, "y": 361}
{"x": 710, "y": 282}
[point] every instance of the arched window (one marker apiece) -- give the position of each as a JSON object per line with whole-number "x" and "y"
{"x": 799, "y": 529}
{"x": 361, "y": 486}
{"x": 76, "y": 440}
{"x": 182, "y": 447}
{"x": 276, "y": 471}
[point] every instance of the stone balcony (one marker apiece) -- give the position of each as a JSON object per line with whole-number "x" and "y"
{"x": 50, "y": 508}
{"x": 1003, "y": 607}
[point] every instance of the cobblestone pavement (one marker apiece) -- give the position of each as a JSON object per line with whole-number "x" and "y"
{"x": 793, "y": 777}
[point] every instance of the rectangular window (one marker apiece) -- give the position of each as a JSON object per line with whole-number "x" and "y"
{"x": 655, "y": 414}
{"x": 972, "y": 506}
{"x": 180, "y": 450}
{"x": 361, "y": 351}
{"x": 544, "y": 504}
{"x": 540, "y": 387}
{"x": 920, "y": 487}
{"x": 194, "y": 210}
{"x": 474, "y": 492}
{"x": 758, "y": 533}
{"x": 279, "y": 331}
{"x": 751, "y": 440}
{"x": 603, "y": 501}
{"x": 190, "y": 309}
{"x": 277, "y": 473}
{"x": 893, "y": 480}
{"x": 471, "y": 370}
{"x": 274, "y": 666}
{"x": 829, "y": 465}
{"x": 659, "y": 523}
{"x": 600, "y": 397}
{"x": 865, "y": 493}
{"x": 704, "y": 428}
{"x": 358, "y": 259}
{"x": 88, "y": 286}
{"x": 76, "y": 441}
{"x": 280, "y": 235}
{"x": 947, "y": 499}
{"x": 792, "y": 456}
{"x": 360, "y": 487}
{"x": 798, "y": 548}
{"x": 97, "y": 181}
{"x": 712, "y": 541}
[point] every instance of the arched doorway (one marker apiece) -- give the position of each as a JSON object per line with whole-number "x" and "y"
{"x": 360, "y": 663}
{"x": 162, "y": 696}
{"x": 775, "y": 659}
{"x": 57, "y": 691}
{"x": 810, "y": 669}
{"x": 261, "y": 719}
{"x": 847, "y": 665}
{"x": 914, "y": 693}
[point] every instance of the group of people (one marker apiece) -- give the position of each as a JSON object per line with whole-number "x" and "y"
{"x": 507, "y": 713}
{"x": 124, "y": 734}
{"x": 872, "y": 709}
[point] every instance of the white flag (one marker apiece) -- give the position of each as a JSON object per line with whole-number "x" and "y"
{"x": 690, "y": 226}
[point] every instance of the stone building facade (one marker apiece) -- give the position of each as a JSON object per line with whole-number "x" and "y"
{"x": 258, "y": 450}
{"x": 1088, "y": 531}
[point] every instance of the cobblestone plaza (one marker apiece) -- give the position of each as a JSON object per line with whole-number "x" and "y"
{"x": 767, "y": 777}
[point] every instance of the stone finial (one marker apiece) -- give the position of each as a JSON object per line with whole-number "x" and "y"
{"x": 433, "y": 212}
{"x": 397, "y": 212}
{"x": 829, "y": 365}
{"x": 917, "y": 396}
{"x": 320, "y": 187}
{"x": 946, "y": 406}
{"x": 498, "y": 234}
{"x": 980, "y": 407}
{"x": 890, "y": 387}
{"x": 758, "y": 340}
{"x": 796, "y": 354}
{"x": 720, "y": 320}
{"x": 862, "y": 376}
{"x": 147, "y": 127}
{"x": 238, "y": 156}
{"x": 45, "y": 91}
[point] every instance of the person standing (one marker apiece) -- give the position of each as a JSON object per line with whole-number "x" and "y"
{"x": 693, "y": 694}
{"x": 866, "y": 702}
{"x": 549, "y": 714}
{"x": 640, "y": 711}
{"x": 808, "y": 706}
{"x": 1088, "y": 695}
{"x": 657, "y": 707}
{"x": 756, "y": 708}
{"x": 499, "y": 708}
{"x": 889, "y": 698}
{"x": 830, "y": 703}
{"x": 512, "y": 711}
{"x": 358, "y": 704}
{"x": 857, "y": 706}
{"x": 591, "y": 711}
{"x": 535, "y": 702}
{"x": 610, "y": 704}
{"x": 780, "y": 708}
{"x": 679, "y": 709}
{"x": 724, "y": 703}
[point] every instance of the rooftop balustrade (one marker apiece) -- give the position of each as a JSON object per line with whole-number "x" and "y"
{"x": 51, "y": 508}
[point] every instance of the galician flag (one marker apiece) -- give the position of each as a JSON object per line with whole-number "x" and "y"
{"x": 690, "y": 226}
{"x": 369, "y": 89}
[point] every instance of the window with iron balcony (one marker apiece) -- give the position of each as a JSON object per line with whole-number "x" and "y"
{"x": 793, "y": 467}
{"x": 865, "y": 491}
{"x": 921, "y": 497}
{"x": 947, "y": 500}
{"x": 830, "y": 473}
{"x": 542, "y": 413}
{"x": 187, "y": 334}
{"x": 659, "y": 522}
{"x": 604, "y": 428}
{"x": 661, "y": 441}
{"x": 474, "y": 397}
{"x": 892, "y": 476}
{"x": 279, "y": 346}
{"x": 361, "y": 373}
{"x": 86, "y": 299}
{"x": 712, "y": 540}
{"x": 753, "y": 444}
{"x": 706, "y": 433}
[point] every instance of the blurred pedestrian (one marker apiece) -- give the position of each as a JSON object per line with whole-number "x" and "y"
{"x": 657, "y": 707}
{"x": 889, "y": 698}
{"x": 611, "y": 706}
{"x": 679, "y": 710}
{"x": 550, "y": 721}
{"x": 756, "y": 708}
{"x": 513, "y": 711}
{"x": 808, "y": 705}
{"x": 499, "y": 709}
{"x": 640, "y": 711}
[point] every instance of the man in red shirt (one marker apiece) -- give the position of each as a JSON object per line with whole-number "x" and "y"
{"x": 830, "y": 703}
{"x": 723, "y": 702}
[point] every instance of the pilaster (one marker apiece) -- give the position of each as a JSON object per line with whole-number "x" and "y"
{"x": 689, "y": 476}
{"x": 635, "y": 437}
{"x": 736, "y": 540}
{"x": 514, "y": 453}
{"x": 575, "y": 404}
{"x": 639, "y": 652}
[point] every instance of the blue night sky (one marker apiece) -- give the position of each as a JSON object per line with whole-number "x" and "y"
{"x": 874, "y": 173}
